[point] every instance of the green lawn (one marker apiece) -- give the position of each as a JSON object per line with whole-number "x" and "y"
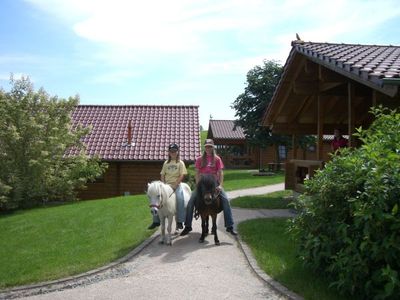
{"x": 242, "y": 179}
{"x": 275, "y": 200}
{"x": 48, "y": 243}
{"x": 236, "y": 179}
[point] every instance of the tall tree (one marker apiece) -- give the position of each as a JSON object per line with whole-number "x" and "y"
{"x": 35, "y": 132}
{"x": 250, "y": 105}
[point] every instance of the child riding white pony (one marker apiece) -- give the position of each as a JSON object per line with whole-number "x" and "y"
{"x": 163, "y": 202}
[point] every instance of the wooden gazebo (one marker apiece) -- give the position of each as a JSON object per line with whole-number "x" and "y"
{"x": 326, "y": 86}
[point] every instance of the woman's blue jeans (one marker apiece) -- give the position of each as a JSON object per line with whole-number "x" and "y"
{"x": 225, "y": 205}
{"x": 180, "y": 207}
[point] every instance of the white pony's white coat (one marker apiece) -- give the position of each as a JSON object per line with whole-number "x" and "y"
{"x": 163, "y": 202}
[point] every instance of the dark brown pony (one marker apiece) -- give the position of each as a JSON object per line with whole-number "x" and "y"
{"x": 208, "y": 203}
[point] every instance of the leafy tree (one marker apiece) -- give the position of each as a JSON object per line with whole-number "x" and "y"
{"x": 250, "y": 105}
{"x": 35, "y": 133}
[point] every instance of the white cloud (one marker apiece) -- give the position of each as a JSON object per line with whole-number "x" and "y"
{"x": 129, "y": 31}
{"x": 186, "y": 46}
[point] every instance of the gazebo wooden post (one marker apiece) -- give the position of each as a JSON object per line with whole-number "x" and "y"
{"x": 351, "y": 112}
{"x": 294, "y": 146}
{"x": 374, "y": 97}
{"x": 320, "y": 127}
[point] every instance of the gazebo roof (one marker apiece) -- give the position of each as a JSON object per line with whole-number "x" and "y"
{"x": 319, "y": 78}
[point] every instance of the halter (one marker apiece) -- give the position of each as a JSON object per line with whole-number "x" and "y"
{"x": 161, "y": 200}
{"x": 217, "y": 193}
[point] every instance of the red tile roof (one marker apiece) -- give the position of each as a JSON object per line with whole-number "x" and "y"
{"x": 153, "y": 128}
{"x": 225, "y": 129}
{"x": 365, "y": 63}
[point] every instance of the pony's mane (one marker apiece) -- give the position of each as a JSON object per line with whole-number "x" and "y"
{"x": 154, "y": 186}
{"x": 207, "y": 183}
{"x": 158, "y": 187}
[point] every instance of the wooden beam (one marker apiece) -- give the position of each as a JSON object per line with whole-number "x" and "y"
{"x": 286, "y": 88}
{"x": 276, "y": 108}
{"x": 309, "y": 128}
{"x": 374, "y": 97}
{"x": 303, "y": 104}
{"x": 351, "y": 112}
{"x": 305, "y": 87}
{"x": 320, "y": 127}
{"x": 326, "y": 75}
{"x": 294, "y": 146}
{"x": 327, "y": 86}
{"x": 310, "y": 67}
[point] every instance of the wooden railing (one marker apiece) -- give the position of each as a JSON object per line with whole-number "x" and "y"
{"x": 297, "y": 171}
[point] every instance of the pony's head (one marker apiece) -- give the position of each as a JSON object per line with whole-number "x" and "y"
{"x": 156, "y": 194}
{"x": 207, "y": 189}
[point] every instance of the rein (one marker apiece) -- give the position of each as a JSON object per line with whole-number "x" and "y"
{"x": 173, "y": 191}
{"x": 217, "y": 193}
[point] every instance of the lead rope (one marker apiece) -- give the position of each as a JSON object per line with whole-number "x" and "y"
{"x": 161, "y": 201}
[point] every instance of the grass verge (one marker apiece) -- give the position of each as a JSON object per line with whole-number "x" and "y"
{"x": 47, "y": 243}
{"x": 275, "y": 200}
{"x": 243, "y": 179}
{"x": 274, "y": 251}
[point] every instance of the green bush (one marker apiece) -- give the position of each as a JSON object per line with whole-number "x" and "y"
{"x": 349, "y": 225}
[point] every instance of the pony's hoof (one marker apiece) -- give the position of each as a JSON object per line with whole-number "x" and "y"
{"x": 217, "y": 243}
{"x": 201, "y": 240}
{"x": 169, "y": 244}
{"x": 161, "y": 242}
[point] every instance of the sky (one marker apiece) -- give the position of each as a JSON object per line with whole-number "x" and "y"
{"x": 175, "y": 52}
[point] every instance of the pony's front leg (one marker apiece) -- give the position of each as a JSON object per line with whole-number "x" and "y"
{"x": 204, "y": 229}
{"x": 162, "y": 221}
{"x": 169, "y": 229}
{"x": 214, "y": 226}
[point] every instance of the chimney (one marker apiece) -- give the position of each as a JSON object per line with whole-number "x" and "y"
{"x": 129, "y": 133}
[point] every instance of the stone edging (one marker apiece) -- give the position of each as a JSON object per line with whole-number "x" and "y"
{"x": 275, "y": 285}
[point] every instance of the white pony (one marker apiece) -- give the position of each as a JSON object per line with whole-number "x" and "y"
{"x": 163, "y": 202}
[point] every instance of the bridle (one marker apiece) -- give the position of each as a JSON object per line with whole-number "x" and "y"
{"x": 160, "y": 205}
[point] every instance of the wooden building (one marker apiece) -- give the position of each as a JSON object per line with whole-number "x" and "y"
{"x": 326, "y": 86}
{"x": 133, "y": 140}
{"x": 232, "y": 147}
